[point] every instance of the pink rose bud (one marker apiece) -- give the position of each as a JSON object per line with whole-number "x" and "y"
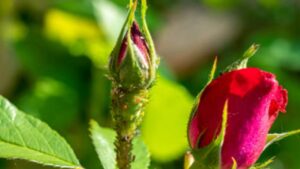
{"x": 254, "y": 101}
{"x": 131, "y": 62}
{"x": 139, "y": 45}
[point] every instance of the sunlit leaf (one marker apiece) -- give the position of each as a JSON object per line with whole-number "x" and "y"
{"x": 25, "y": 137}
{"x": 103, "y": 139}
{"x": 166, "y": 117}
{"x": 141, "y": 153}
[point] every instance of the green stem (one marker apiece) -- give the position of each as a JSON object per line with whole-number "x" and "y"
{"x": 123, "y": 149}
{"x": 128, "y": 112}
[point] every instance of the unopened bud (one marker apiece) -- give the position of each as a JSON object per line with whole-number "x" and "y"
{"x": 131, "y": 61}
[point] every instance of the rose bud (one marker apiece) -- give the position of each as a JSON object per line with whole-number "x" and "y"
{"x": 131, "y": 63}
{"x": 254, "y": 100}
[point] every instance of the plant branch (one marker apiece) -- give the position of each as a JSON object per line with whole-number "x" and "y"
{"x": 127, "y": 110}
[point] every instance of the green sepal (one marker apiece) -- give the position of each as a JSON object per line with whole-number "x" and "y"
{"x": 153, "y": 56}
{"x": 198, "y": 98}
{"x": 243, "y": 61}
{"x": 212, "y": 71}
{"x": 263, "y": 165}
{"x": 132, "y": 74}
{"x": 126, "y": 26}
{"x": 234, "y": 164}
{"x": 188, "y": 160}
{"x": 272, "y": 138}
{"x": 209, "y": 157}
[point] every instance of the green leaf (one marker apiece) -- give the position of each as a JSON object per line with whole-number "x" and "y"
{"x": 166, "y": 117}
{"x": 209, "y": 156}
{"x": 103, "y": 140}
{"x": 25, "y": 137}
{"x": 272, "y": 138}
{"x": 141, "y": 153}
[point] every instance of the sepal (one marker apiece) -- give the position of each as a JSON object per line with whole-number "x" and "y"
{"x": 153, "y": 55}
{"x": 209, "y": 157}
{"x": 263, "y": 165}
{"x": 198, "y": 98}
{"x": 272, "y": 138}
{"x": 243, "y": 61}
{"x": 188, "y": 160}
{"x": 234, "y": 164}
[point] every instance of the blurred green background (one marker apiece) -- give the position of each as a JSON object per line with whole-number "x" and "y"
{"x": 53, "y": 56}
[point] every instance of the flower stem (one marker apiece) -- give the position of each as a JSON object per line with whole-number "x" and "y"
{"x": 123, "y": 148}
{"x": 127, "y": 111}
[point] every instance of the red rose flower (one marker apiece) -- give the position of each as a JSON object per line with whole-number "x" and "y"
{"x": 254, "y": 101}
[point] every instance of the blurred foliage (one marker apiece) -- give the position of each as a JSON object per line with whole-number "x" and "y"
{"x": 81, "y": 40}
{"x": 48, "y": 100}
{"x": 62, "y": 49}
{"x": 167, "y": 114}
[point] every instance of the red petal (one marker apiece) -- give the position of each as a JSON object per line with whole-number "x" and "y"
{"x": 253, "y": 96}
